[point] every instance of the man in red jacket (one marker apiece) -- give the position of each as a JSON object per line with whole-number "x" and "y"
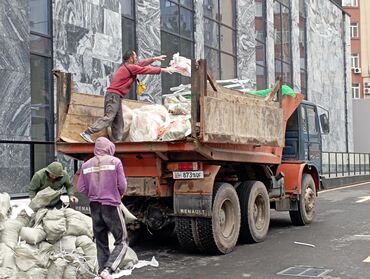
{"x": 121, "y": 83}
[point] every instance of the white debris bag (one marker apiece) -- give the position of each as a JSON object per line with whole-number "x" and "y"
{"x": 181, "y": 64}
{"x": 146, "y": 122}
{"x": 178, "y": 128}
{"x": 129, "y": 217}
{"x": 78, "y": 223}
{"x": 54, "y": 225}
{"x": 26, "y": 256}
{"x": 10, "y": 234}
{"x": 43, "y": 198}
{"x": 33, "y": 236}
{"x": 4, "y": 207}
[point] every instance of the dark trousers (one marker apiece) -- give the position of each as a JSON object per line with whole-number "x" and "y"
{"x": 112, "y": 117}
{"x": 106, "y": 219}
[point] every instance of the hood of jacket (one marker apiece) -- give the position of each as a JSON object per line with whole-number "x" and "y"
{"x": 55, "y": 169}
{"x": 104, "y": 146}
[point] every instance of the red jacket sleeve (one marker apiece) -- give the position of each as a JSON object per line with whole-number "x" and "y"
{"x": 145, "y": 62}
{"x": 141, "y": 70}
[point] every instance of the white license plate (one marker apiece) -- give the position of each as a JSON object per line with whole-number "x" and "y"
{"x": 188, "y": 175}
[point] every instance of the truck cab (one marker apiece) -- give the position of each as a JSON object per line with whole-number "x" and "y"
{"x": 303, "y": 135}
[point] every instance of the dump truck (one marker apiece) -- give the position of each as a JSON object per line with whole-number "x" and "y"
{"x": 246, "y": 155}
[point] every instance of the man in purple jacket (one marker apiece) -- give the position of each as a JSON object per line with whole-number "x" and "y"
{"x": 103, "y": 180}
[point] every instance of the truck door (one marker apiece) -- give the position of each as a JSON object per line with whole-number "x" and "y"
{"x": 311, "y": 136}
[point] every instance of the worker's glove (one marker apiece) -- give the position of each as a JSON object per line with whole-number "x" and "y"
{"x": 169, "y": 70}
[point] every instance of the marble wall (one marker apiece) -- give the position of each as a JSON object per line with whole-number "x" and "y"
{"x": 87, "y": 41}
{"x": 326, "y": 70}
{"x": 148, "y": 27}
{"x": 199, "y": 29}
{"x": 270, "y": 45}
{"x": 295, "y": 45}
{"x": 15, "y": 95}
{"x": 246, "y": 43}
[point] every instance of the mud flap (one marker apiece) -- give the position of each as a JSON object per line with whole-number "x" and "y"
{"x": 193, "y": 206}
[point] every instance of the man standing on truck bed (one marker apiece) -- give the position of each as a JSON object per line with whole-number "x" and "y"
{"x": 103, "y": 180}
{"x": 121, "y": 83}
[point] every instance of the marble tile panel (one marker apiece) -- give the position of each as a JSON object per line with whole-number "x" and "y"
{"x": 112, "y": 24}
{"x": 14, "y": 20}
{"x": 14, "y": 55}
{"x": 97, "y": 16}
{"x": 75, "y": 12}
{"x": 77, "y": 38}
{"x": 15, "y": 119}
{"x": 14, "y": 86}
{"x": 326, "y": 68}
{"x": 149, "y": 43}
{"x": 113, "y": 5}
{"x": 14, "y": 159}
{"x": 295, "y": 46}
{"x": 270, "y": 43}
{"x": 246, "y": 43}
{"x": 107, "y": 48}
{"x": 199, "y": 29}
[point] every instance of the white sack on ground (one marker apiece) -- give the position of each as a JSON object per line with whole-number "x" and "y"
{"x": 4, "y": 206}
{"x": 70, "y": 272}
{"x": 23, "y": 217}
{"x": 66, "y": 244}
{"x": 7, "y": 257}
{"x": 6, "y": 272}
{"x": 78, "y": 223}
{"x": 89, "y": 249}
{"x": 45, "y": 252}
{"x": 33, "y": 236}
{"x": 56, "y": 269}
{"x": 130, "y": 258}
{"x": 43, "y": 198}
{"x": 37, "y": 217}
{"x": 10, "y": 234}
{"x": 54, "y": 225}
{"x": 26, "y": 257}
{"x": 34, "y": 273}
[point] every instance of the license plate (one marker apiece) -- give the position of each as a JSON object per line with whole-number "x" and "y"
{"x": 188, "y": 175}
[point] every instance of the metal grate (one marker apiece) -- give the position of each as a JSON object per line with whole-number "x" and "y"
{"x": 303, "y": 271}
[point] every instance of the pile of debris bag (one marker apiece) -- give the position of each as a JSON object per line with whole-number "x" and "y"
{"x": 167, "y": 122}
{"x": 49, "y": 243}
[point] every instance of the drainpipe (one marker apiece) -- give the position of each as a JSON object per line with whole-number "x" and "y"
{"x": 345, "y": 79}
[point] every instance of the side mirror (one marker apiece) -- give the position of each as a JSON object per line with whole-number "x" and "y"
{"x": 324, "y": 122}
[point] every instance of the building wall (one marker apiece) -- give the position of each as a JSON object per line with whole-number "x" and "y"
{"x": 15, "y": 94}
{"x": 361, "y": 132}
{"x": 327, "y": 67}
{"x": 365, "y": 41}
{"x": 87, "y": 41}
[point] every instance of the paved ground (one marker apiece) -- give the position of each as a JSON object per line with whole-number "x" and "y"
{"x": 340, "y": 235}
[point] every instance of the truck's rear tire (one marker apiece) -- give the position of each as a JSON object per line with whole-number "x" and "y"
{"x": 306, "y": 203}
{"x": 215, "y": 235}
{"x": 255, "y": 211}
{"x": 219, "y": 234}
{"x": 185, "y": 228}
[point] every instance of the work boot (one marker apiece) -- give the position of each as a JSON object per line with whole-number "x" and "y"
{"x": 105, "y": 274}
{"x": 86, "y": 136}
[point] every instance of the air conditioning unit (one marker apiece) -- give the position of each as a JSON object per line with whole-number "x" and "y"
{"x": 357, "y": 70}
{"x": 367, "y": 90}
{"x": 367, "y": 84}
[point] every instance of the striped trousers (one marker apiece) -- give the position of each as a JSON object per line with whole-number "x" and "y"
{"x": 107, "y": 218}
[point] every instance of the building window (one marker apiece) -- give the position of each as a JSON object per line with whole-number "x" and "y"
{"x": 260, "y": 27}
{"x": 220, "y": 37}
{"x": 355, "y": 60}
{"x": 128, "y": 33}
{"x": 42, "y": 97}
{"x": 355, "y": 90}
{"x": 354, "y": 30}
{"x": 283, "y": 55}
{"x": 350, "y": 3}
{"x": 177, "y": 35}
{"x": 303, "y": 47}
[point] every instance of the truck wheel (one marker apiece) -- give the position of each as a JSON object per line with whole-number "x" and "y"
{"x": 306, "y": 203}
{"x": 185, "y": 227}
{"x": 219, "y": 234}
{"x": 255, "y": 211}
